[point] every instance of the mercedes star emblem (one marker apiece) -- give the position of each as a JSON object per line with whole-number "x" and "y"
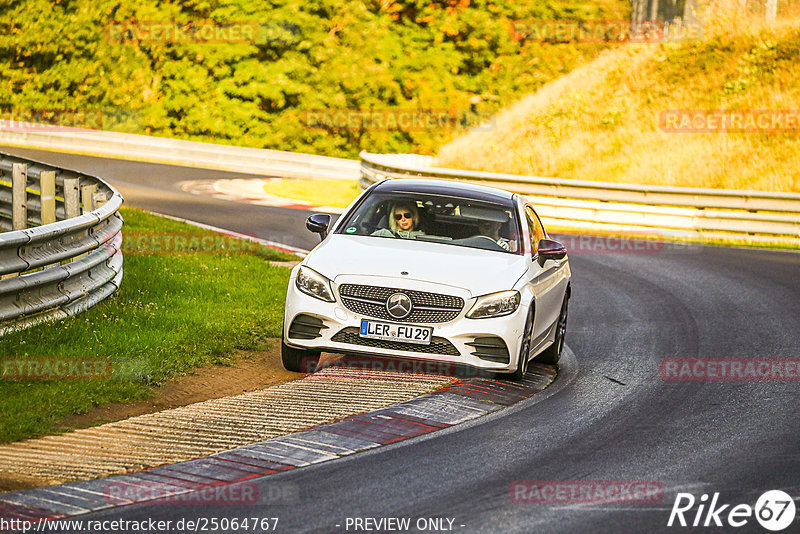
{"x": 399, "y": 305}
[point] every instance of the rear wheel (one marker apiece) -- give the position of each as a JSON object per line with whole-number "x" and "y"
{"x": 299, "y": 360}
{"x": 522, "y": 362}
{"x": 552, "y": 354}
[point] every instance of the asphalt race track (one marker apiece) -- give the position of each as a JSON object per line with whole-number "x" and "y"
{"x": 609, "y": 416}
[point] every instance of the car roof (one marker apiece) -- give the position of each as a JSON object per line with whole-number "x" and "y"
{"x": 444, "y": 187}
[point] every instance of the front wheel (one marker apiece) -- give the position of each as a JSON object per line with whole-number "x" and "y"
{"x": 299, "y": 360}
{"x": 524, "y": 350}
{"x": 552, "y": 354}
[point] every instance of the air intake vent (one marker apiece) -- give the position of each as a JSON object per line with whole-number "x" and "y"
{"x": 306, "y": 327}
{"x": 492, "y": 349}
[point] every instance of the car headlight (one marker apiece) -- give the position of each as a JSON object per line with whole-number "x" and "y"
{"x": 314, "y": 284}
{"x": 495, "y": 305}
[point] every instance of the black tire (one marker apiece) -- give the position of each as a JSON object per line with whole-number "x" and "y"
{"x": 552, "y": 354}
{"x": 299, "y": 360}
{"x": 522, "y": 362}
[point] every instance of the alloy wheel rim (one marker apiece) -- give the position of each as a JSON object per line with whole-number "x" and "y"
{"x": 562, "y": 327}
{"x": 526, "y": 346}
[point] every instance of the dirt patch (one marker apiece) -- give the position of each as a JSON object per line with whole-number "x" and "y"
{"x": 15, "y": 481}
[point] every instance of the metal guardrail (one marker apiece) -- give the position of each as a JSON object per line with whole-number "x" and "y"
{"x": 178, "y": 152}
{"x": 71, "y": 258}
{"x": 755, "y": 216}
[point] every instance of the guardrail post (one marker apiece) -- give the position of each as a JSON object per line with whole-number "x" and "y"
{"x": 47, "y": 182}
{"x": 87, "y": 197}
{"x": 19, "y": 201}
{"x": 99, "y": 199}
{"x": 19, "y": 196}
{"x": 47, "y": 196}
{"x": 88, "y": 193}
{"x": 72, "y": 198}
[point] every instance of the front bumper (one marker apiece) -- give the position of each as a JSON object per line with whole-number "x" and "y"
{"x": 454, "y": 342}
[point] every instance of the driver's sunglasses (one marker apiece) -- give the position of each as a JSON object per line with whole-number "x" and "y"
{"x": 404, "y": 215}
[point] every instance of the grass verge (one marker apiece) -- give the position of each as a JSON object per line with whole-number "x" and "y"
{"x": 175, "y": 311}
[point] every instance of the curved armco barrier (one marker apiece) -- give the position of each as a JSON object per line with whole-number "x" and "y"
{"x": 168, "y": 151}
{"x": 69, "y": 263}
{"x": 756, "y": 216}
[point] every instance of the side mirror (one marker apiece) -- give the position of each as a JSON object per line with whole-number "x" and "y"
{"x": 550, "y": 250}
{"x": 319, "y": 223}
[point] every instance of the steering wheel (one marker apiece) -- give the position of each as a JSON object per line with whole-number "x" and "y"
{"x": 498, "y": 247}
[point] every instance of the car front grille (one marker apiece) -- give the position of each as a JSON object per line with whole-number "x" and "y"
{"x": 426, "y": 307}
{"x": 439, "y": 345}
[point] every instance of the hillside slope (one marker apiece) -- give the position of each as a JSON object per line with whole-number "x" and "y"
{"x": 608, "y": 121}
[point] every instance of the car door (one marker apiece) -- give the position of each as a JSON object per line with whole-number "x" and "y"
{"x": 547, "y": 280}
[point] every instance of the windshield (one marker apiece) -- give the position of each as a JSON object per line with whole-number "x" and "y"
{"x": 450, "y": 220}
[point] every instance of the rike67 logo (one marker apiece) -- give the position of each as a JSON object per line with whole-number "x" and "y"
{"x": 774, "y": 510}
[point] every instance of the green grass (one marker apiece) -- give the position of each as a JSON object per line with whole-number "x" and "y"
{"x": 173, "y": 312}
{"x": 335, "y": 193}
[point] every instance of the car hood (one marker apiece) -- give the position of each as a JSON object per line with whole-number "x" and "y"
{"x": 477, "y": 271}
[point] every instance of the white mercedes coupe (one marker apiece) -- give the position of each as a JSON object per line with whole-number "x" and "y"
{"x": 431, "y": 270}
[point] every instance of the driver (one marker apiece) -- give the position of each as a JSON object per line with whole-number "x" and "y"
{"x": 491, "y": 229}
{"x": 403, "y": 221}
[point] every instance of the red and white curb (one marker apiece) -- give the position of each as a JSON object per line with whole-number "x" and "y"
{"x": 250, "y": 191}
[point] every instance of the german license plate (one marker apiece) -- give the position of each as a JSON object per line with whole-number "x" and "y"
{"x": 420, "y": 335}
